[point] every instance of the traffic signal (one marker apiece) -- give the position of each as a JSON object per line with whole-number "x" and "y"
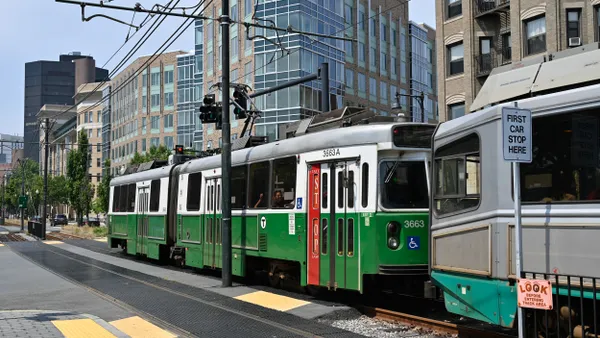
{"x": 178, "y": 149}
{"x": 209, "y": 111}
{"x": 240, "y": 100}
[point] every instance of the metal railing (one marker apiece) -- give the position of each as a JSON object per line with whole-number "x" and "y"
{"x": 575, "y": 310}
{"x": 485, "y": 63}
{"x": 484, "y": 6}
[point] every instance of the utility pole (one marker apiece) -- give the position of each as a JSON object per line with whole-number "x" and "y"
{"x": 46, "y": 155}
{"x": 22, "y": 194}
{"x": 226, "y": 154}
{"x": 3, "y": 188}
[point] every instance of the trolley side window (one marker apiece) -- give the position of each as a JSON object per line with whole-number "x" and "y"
{"x": 258, "y": 193}
{"x": 193, "y": 192}
{"x": 284, "y": 182}
{"x": 131, "y": 192}
{"x": 115, "y": 201}
{"x": 565, "y": 166}
{"x": 457, "y": 176}
{"x": 239, "y": 180}
{"x": 154, "y": 195}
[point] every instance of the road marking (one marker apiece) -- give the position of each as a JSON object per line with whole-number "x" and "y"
{"x": 82, "y": 328}
{"x": 1, "y": 244}
{"x": 137, "y": 327}
{"x": 101, "y": 239}
{"x": 272, "y": 301}
{"x": 53, "y": 242}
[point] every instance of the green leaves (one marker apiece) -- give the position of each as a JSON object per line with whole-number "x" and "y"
{"x": 154, "y": 153}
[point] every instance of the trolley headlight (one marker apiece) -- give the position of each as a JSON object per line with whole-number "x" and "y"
{"x": 393, "y": 235}
{"x": 393, "y": 243}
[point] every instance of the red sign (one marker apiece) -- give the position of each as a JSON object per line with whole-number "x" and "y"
{"x": 534, "y": 294}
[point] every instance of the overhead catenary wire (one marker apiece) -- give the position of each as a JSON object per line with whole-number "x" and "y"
{"x": 151, "y": 59}
{"x": 123, "y": 61}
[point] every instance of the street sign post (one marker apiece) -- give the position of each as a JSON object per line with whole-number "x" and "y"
{"x": 516, "y": 144}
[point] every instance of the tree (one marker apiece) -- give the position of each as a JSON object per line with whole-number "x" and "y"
{"x": 160, "y": 153}
{"x": 57, "y": 194}
{"x": 77, "y": 177}
{"x": 101, "y": 203}
{"x": 33, "y": 182}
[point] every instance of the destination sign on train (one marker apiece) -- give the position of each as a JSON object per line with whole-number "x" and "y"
{"x": 516, "y": 134}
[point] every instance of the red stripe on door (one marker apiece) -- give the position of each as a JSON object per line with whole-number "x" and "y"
{"x": 314, "y": 219}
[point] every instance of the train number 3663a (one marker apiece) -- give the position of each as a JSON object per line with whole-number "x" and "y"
{"x": 331, "y": 152}
{"x": 414, "y": 224}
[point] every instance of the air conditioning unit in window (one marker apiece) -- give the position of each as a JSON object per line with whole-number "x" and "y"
{"x": 574, "y": 42}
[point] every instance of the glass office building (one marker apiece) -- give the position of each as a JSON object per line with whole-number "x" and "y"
{"x": 423, "y": 71}
{"x": 366, "y": 73}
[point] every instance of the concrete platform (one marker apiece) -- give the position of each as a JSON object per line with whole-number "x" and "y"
{"x": 188, "y": 303}
{"x": 35, "y": 302}
{"x": 303, "y": 306}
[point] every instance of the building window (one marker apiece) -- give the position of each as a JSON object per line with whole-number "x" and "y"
{"x": 155, "y": 122}
{"x": 454, "y": 8}
{"x": 168, "y": 99}
{"x": 168, "y": 77}
{"x": 361, "y": 52}
{"x": 372, "y": 54}
{"x": 573, "y": 26}
{"x": 155, "y": 98}
{"x": 169, "y": 121}
{"x": 456, "y": 53}
{"x": 362, "y": 82}
{"x": 456, "y": 110}
{"x": 349, "y": 79}
{"x": 249, "y": 7}
{"x": 155, "y": 79}
{"x": 536, "y": 35}
{"x": 143, "y": 144}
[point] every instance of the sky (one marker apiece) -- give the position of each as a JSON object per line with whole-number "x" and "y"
{"x": 32, "y": 30}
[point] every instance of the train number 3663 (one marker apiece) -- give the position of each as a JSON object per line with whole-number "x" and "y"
{"x": 414, "y": 224}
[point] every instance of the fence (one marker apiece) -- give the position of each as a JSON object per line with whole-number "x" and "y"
{"x": 575, "y": 308}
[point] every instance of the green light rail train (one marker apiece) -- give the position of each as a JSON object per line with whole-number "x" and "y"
{"x": 338, "y": 208}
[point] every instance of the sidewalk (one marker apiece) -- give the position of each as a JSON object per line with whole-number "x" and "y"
{"x": 35, "y": 303}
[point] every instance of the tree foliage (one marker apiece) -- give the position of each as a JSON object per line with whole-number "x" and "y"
{"x": 160, "y": 153}
{"x": 78, "y": 182}
{"x": 100, "y": 205}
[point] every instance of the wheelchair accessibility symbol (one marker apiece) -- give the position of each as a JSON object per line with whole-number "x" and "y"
{"x": 414, "y": 242}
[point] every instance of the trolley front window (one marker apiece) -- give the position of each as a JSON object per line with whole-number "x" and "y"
{"x": 457, "y": 176}
{"x": 403, "y": 185}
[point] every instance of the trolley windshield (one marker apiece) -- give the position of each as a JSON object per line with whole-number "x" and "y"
{"x": 403, "y": 185}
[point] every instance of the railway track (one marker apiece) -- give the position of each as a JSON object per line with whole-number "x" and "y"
{"x": 11, "y": 238}
{"x": 59, "y": 236}
{"x": 475, "y": 330}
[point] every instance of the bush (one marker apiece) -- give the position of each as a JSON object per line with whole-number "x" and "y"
{"x": 101, "y": 231}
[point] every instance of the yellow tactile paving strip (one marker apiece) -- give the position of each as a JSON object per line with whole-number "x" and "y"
{"x": 82, "y": 328}
{"x": 271, "y": 300}
{"x": 137, "y": 327}
{"x": 53, "y": 242}
{"x": 100, "y": 239}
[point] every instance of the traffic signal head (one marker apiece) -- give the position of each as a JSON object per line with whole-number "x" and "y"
{"x": 179, "y": 149}
{"x": 209, "y": 99}
{"x": 240, "y": 100}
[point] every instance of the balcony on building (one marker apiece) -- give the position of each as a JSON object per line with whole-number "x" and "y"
{"x": 485, "y": 62}
{"x": 485, "y": 7}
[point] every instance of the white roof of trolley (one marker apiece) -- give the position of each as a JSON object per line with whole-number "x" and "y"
{"x": 536, "y": 75}
{"x": 578, "y": 98}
